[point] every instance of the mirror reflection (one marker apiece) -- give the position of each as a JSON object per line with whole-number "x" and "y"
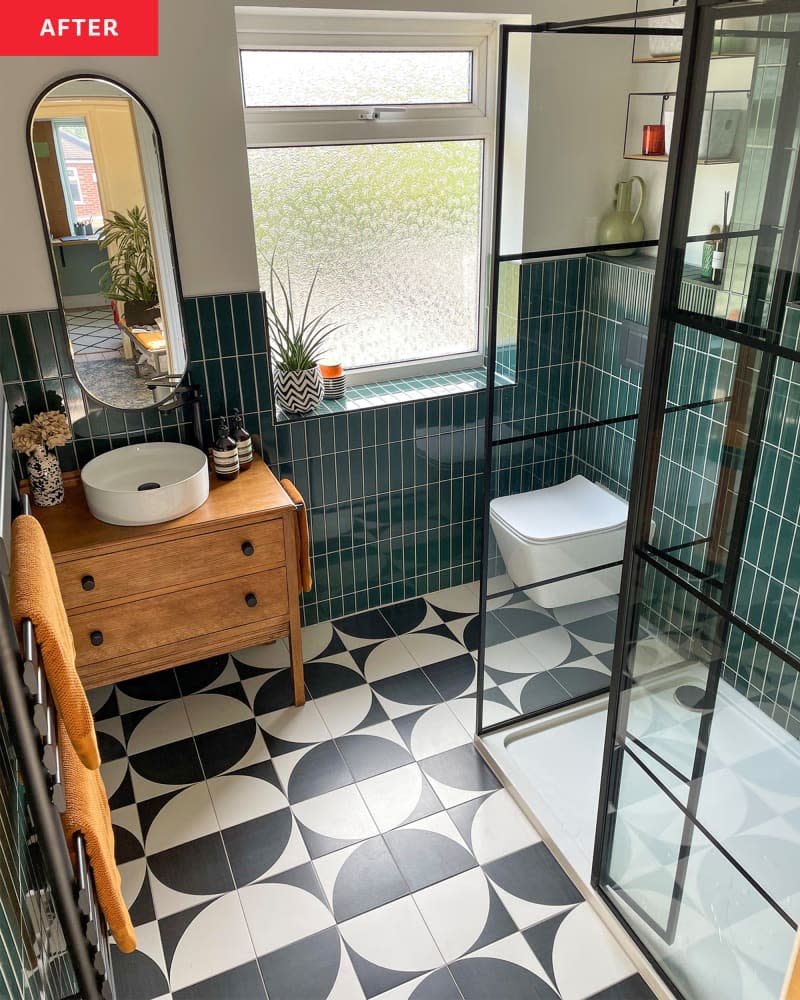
{"x": 101, "y": 189}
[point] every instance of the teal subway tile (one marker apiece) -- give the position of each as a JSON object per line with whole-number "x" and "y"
{"x": 247, "y": 383}
{"x": 354, "y": 436}
{"x": 240, "y": 317}
{"x": 232, "y": 388}
{"x": 208, "y": 327}
{"x": 215, "y": 389}
{"x": 223, "y": 315}
{"x": 22, "y": 339}
{"x": 258, "y": 330}
{"x": 45, "y": 345}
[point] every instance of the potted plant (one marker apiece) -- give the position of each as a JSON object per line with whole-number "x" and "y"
{"x": 129, "y": 274}
{"x": 296, "y": 340}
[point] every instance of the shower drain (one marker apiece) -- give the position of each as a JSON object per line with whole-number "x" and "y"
{"x": 690, "y": 696}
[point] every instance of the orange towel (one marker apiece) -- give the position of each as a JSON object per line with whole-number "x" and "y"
{"x": 35, "y": 594}
{"x": 88, "y": 813}
{"x": 303, "y": 548}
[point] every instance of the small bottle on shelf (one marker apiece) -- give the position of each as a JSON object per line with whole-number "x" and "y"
{"x": 244, "y": 442}
{"x": 225, "y": 453}
{"x": 709, "y": 249}
{"x": 718, "y": 262}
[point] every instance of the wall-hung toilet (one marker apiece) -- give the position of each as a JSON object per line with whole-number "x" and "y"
{"x": 557, "y": 530}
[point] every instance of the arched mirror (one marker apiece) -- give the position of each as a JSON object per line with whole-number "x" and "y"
{"x": 99, "y": 171}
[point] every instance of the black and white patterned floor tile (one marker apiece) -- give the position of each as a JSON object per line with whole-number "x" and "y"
{"x": 357, "y": 847}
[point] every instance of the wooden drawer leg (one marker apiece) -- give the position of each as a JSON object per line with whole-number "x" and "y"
{"x": 296, "y": 650}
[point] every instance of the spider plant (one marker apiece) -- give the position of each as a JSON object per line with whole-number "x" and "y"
{"x": 296, "y": 338}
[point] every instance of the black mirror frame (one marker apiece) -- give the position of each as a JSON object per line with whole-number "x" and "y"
{"x": 46, "y": 230}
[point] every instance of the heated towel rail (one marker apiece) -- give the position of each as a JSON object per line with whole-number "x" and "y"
{"x": 33, "y": 724}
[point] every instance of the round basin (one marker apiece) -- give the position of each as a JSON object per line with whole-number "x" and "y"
{"x": 146, "y": 483}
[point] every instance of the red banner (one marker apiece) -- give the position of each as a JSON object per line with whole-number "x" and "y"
{"x": 80, "y": 28}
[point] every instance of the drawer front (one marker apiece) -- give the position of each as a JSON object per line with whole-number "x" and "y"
{"x": 168, "y": 564}
{"x": 139, "y": 626}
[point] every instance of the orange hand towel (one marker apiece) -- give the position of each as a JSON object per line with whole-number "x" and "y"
{"x": 35, "y": 594}
{"x": 88, "y": 813}
{"x": 303, "y": 548}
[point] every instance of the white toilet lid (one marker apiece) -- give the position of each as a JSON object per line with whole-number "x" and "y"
{"x": 568, "y": 510}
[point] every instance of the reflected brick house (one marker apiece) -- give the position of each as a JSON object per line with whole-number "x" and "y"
{"x": 81, "y": 176}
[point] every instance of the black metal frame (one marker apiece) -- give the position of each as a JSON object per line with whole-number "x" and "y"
{"x": 103, "y": 78}
{"x": 698, "y": 32}
{"x": 638, "y": 554}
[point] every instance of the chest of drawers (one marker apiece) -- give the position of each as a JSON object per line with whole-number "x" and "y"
{"x": 219, "y": 579}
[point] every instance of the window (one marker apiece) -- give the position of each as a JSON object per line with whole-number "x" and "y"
{"x": 369, "y": 147}
{"x": 74, "y": 186}
{"x": 78, "y": 176}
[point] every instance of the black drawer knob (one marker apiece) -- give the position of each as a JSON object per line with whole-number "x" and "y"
{"x": 251, "y": 600}
{"x": 248, "y": 548}
{"x": 96, "y": 637}
{"x": 87, "y": 582}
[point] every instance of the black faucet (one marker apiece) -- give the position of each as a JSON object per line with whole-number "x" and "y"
{"x": 181, "y": 395}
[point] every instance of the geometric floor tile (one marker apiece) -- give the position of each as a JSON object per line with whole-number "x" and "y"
{"x": 438, "y": 985}
{"x": 284, "y": 909}
{"x": 506, "y": 969}
{"x": 463, "y": 913}
{"x": 389, "y": 946}
{"x": 373, "y": 750}
{"x": 493, "y": 826}
{"x": 603, "y": 964}
{"x": 459, "y": 775}
{"x": 429, "y": 851}
{"x": 358, "y": 846}
{"x": 206, "y": 941}
{"x": 334, "y": 820}
{"x": 432, "y": 731}
{"x": 289, "y": 974}
{"x": 360, "y": 877}
{"x": 398, "y": 797}
{"x": 532, "y": 885}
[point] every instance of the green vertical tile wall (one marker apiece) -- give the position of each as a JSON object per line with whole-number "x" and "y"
{"x": 394, "y": 491}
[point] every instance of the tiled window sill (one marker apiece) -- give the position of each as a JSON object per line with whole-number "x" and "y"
{"x": 395, "y": 391}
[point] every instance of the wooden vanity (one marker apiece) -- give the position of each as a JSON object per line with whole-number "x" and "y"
{"x": 145, "y": 598}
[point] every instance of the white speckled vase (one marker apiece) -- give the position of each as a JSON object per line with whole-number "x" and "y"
{"x": 44, "y": 476}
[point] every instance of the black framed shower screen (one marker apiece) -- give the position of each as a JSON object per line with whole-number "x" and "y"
{"x": 701, "y": 572}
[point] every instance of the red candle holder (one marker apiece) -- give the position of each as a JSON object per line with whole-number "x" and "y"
{"x": 653, "y": 140}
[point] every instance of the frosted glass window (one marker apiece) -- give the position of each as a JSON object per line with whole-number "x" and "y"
{"x": 394, "y": 229}
{"x": 274, "y": 79}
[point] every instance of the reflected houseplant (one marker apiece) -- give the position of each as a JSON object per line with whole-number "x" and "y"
{"x": 296, "y": 341}
{"x": 129, "y": 274}
{"x": 38, "y": 440}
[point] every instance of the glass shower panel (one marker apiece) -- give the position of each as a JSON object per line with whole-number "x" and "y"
{"x": 539, "y": 345}
{"x": 539, "y": 658}
{"x": 713, "y": 932}
{"x": 768, "y": 585}
{"x": 702, "y": 448}
{"x": 758, "y": 174}
{"x": 711, "y": 713}
{"x": 700, "y": 827}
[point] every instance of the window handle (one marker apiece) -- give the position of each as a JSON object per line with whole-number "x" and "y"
{"x": 374, "y": 114}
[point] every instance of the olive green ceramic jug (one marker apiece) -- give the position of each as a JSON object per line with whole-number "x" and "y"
{"x": 622, "y": 224}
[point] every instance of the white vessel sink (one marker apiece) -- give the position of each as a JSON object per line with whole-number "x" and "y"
{"x": 146, "y": 483}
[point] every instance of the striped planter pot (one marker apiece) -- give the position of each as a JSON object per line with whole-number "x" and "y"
{"x": 298, "y": 393}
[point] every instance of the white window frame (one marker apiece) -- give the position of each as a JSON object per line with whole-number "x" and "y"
{"x": 73, "y": 177}
{"x": 303, "y": 126}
